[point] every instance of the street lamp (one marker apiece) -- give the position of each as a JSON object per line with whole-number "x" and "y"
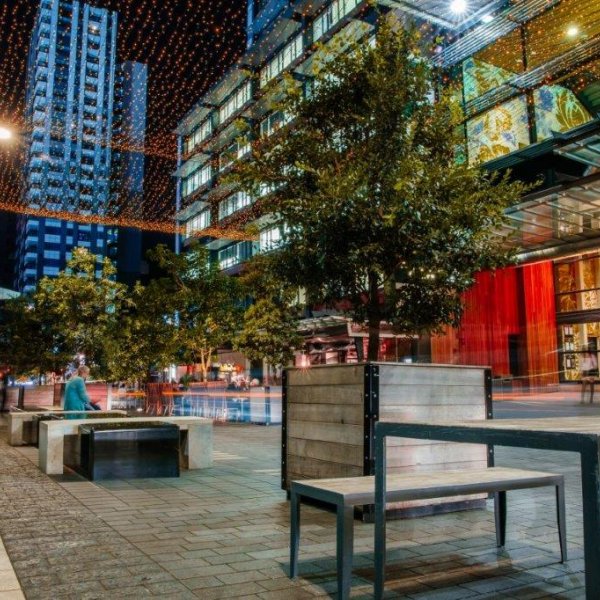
{"x": 5, "y": 134}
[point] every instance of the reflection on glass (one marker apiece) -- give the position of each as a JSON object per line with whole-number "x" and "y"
{"x": 561, "y": 29}
{"x": 578, "y": 285}
{"x": 574, "y": 341}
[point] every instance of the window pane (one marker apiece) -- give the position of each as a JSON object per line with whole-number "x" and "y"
{"x": 498, "y": 131}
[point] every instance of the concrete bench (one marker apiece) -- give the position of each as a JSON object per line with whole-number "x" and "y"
{"x": 196, "y": 447}
{"x": 18, "y": 432}
{"x": 347, "y": 492}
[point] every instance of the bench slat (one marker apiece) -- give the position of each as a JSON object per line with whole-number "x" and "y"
{"x": 352, "y": 491}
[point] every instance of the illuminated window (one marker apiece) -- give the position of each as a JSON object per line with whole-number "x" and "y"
{"x": 234, "y": 254}
{"x": 282, "y": 60}
{"x": 271, "y": 238}
{"x": 197, "y": 179}
{"x": 234, "y": 203}
{"x": 198, "y": 223}
{"x": 199, "y": 135}
{"x": 334, "y": 13}
{"x": 235, "y": 102}
{"x": 269, "y": 125}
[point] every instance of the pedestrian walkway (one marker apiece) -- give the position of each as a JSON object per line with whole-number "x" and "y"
{"x": 223, "y": 533}
{"x": 10, "y": 589}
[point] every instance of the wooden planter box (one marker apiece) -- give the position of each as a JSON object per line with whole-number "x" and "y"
{"x": 330, "y": 411}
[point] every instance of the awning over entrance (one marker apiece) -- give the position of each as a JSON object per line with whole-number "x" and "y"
{"x": 564, "y": 218}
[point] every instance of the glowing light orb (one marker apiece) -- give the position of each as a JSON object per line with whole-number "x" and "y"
{"x": 5, "y": 134}
{"x": 458, "y": 6}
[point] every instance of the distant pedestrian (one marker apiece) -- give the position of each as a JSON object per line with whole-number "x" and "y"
{"x": 76, "y": 396}
{"x": 589, "y": 372}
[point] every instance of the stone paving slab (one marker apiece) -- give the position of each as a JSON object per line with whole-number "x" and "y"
{"x": 223, "y": 533}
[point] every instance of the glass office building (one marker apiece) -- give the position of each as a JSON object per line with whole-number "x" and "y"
{"x": 528, "y": 77}
{"x": 73, "y": 108}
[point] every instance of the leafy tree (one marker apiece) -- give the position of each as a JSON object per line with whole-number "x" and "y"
{"x": 84, "y": 300}
{"x": 31, "y": 340}
{"x": 374, "y": 208}
{"x": 270, "y": 325}
{"x": 204, "y": 302}
{"x": 145, "y": 337}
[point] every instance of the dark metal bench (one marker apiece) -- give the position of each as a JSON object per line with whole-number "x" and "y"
{"x": 347, "y": 492}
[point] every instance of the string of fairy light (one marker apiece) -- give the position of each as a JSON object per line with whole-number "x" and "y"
{"x": 188, "y": 46}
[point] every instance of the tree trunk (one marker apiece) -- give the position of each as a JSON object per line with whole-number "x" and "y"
{"x": 374, "y": 318}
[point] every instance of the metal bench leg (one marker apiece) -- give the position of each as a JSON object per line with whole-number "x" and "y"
{"x": 294, "y": 533}
{"x": 561, "y": 518}
{"x": 500, "y": 517}
{"x": 345, "y": 547}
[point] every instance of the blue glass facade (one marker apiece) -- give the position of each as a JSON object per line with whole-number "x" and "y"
{"x": 73, "y": 109}
{"x": 261, "y": 16}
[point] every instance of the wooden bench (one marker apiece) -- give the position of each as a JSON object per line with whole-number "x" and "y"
{"x": 347, "y": 492}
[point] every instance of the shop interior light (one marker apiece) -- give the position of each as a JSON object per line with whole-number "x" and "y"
{"x": 573, "y": 31}
{"x": 458, "y": 6}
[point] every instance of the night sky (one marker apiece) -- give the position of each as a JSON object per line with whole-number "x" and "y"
{"x": 187, "y": 44}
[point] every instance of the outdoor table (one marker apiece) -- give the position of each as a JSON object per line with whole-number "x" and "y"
{"x": 567, "y": 434}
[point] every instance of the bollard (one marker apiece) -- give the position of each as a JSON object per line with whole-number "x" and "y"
{"x": 21, "y": 398}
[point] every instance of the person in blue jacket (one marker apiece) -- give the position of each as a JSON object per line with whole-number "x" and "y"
{"x": 76, "y": 396}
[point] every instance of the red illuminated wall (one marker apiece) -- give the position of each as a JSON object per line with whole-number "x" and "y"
{"x": 516, "y": 301}
{"x": 540, "y": 323}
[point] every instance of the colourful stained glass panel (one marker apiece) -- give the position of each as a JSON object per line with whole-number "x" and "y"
{"x": 557, "y": 109}
{"x": 498, "y": 131}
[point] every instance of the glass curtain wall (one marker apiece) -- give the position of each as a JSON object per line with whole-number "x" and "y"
{"x": 578, "y": 312}
{"x": 539, "y": 80}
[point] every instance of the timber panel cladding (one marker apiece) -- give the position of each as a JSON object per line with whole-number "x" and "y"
{"x": 431, "y": 393}
{"x": 325, "y": 422}
{"x": 327, "y": 406}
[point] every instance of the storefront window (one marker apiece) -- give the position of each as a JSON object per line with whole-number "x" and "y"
{"x": 577, "y": 305}
{"x": 578, "y": 285}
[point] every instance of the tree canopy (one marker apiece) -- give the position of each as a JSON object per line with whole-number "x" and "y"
{"x": 84, "y": 301}
{"x": 205, "y": 303}
{"x": 364, "y": 183}
{"x": 269, "y": 329}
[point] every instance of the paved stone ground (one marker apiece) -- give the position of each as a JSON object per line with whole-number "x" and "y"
{"x": 223, "y": 533}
